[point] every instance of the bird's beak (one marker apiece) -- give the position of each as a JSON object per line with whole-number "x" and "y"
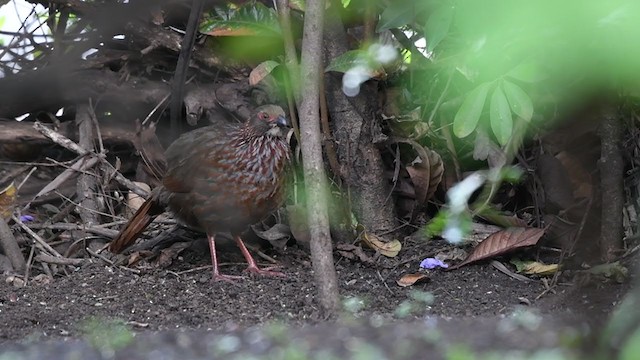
{"x": 282, "y": 121}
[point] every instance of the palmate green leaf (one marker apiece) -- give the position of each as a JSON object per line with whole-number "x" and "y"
{"x": 519, "y": 101}
{"x": 467, "y": 117}
{"x": 400, "y": 13}
{"x": 500, "y": 116}
{"x": 253, "y": 19}
{"x": 438, "y": 25}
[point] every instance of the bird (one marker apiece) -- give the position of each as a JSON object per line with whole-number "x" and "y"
{"x": 221, "y": 178}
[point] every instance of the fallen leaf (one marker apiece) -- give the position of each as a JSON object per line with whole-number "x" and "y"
{"x": 420, "y": 177}
{"x": 388, "y": 249}
{"x": 278, "y": 235}
{"x": 7, "y": 200}
{"x": 534, "y": 267}
{"x": 411, "y": 279}
{"x": 502, "y": 242}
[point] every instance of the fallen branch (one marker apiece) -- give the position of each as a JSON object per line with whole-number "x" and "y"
{"x": 60, "y": 260}
{"x": 108, "y": 233}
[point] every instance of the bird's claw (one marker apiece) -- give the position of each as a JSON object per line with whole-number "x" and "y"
{"x": 265, "y": 271}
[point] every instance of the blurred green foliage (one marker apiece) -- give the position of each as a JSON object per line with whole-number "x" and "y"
{"x": 507, "y": 60}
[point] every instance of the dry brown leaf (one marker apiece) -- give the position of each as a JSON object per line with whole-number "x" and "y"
{"x": 410, "y": 279}
{"x": 538, "y": 268}
{"x": 7, "y": 200}
{"x": 425, "y": 174}
{"x": 436, "y": 172}
{"x": 278, "y": 235}
{"x": 420, "y": 176}
{"x": 503, "y": 241}
{"x": 388, "y": 249}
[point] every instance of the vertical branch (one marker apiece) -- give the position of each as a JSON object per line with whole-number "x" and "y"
{"x": 315, "y": 179}
{"x": 177, "y": 87}
{"x": 292, "y": 83}
{"x": 87, "y": 184}
{"x": 611, "y": 183}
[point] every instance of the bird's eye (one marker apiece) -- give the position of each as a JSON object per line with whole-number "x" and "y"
{"x": 263, "y": 116}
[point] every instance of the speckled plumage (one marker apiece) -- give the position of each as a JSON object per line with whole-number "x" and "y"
{"x": 220, "y": 178}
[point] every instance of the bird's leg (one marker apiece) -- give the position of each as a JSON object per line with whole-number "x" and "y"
{"x": 214, "y": 261}
{"x": 253, "y": 267}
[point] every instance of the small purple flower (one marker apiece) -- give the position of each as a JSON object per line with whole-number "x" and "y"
{"x": 432, "y": 263}
{"x": 26, "y": 218}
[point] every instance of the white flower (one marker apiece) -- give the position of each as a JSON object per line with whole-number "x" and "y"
{"x": 459, "y": 194}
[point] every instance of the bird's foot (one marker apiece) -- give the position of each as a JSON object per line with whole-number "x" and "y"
{"x": 268, "y": 271}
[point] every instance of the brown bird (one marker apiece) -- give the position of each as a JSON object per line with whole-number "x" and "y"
{"x": 221, "y": 178}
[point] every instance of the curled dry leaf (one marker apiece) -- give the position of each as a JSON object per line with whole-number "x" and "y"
{"x": 388, "y": 249}
{"x": 502, "y": 242}
{"x": 278, "y": 235}
{"x": 425, "y": 173}
{"x": 410, "y": 279}
{"x": 7, "y": 200}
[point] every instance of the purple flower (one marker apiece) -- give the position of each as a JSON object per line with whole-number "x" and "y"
{"x": 432, "y": 263}
{"x": 26, "y": 218}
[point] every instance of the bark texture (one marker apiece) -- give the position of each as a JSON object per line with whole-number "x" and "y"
{"x": 611, "y": 176}
{"x": 356, "y": 132}
{"x": 314, "y": 175}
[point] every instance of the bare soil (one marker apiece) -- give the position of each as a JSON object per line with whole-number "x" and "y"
{"x": 163, "y": 305}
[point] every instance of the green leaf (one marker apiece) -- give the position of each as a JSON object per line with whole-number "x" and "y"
{"x": 253, "y": 19}
{"x": 347, "y": 60}
{"x": 400, "y": 13}
{"x": 519, "y": 101}
{"x": 467, "y": 117}
{"x": 500, "y": 116}
{"x": 438, "y": 25}
{"x": 261, "y": 71}
{"x": 528, "y": 72}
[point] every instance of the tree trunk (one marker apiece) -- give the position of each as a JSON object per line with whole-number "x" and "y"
{"x": 314, "y": 175}
{"x": 356, "y": 132}
{"x": 611, "y": 182}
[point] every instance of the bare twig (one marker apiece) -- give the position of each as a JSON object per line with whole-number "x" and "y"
{"x": 60, "y": 139}
{"x": 98, "y": 230}
{"x": 40, "y": 243}
{"x": 60, "y": 260}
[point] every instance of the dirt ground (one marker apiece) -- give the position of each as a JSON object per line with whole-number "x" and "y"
{"x": 469, "y": 303}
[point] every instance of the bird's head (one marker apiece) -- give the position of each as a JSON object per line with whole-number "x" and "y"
{"x": 269, "y": 120}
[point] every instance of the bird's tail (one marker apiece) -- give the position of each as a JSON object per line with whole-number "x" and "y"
{"x": 136, "y": 225}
